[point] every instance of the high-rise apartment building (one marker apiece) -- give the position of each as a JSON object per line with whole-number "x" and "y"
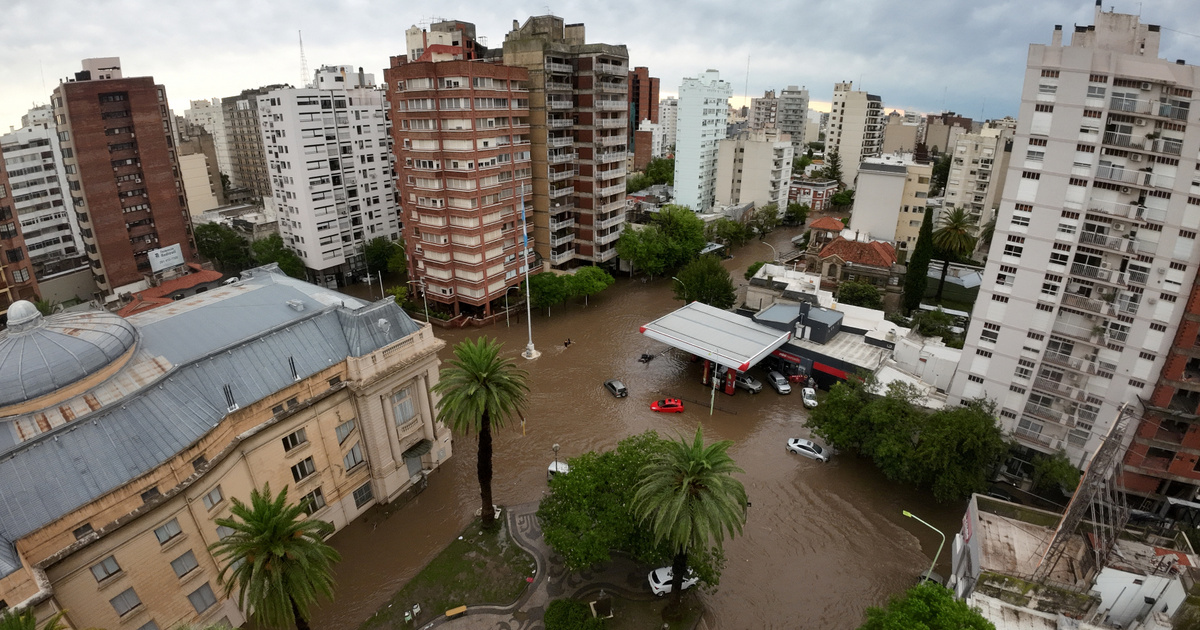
{"x": 122, "y": 172}
{"x": 755, "y": 167}
{"x": 668, "y": 117}
{"x": 38, "y": 183}
{"x": 249, "y": 179}
{"x": 17, "y": 281}
{"x": 890, "y": 199}
{"x": 209, "y": 115}
{"x": 643, "y": 100}
{"x": 764, "y": 111}
{"x": 327, "y": 149}
{"x": 977, "y": 172}
{"x": 703, "y": 109}
{"x": 579, "y": 129}
{"x": 461, "y": 133}
{"x": 855, "y": 128}
{"x": 792, "y": 117}
{"x": 1094, "y": 254}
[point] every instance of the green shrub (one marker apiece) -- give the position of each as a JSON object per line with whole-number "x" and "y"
{"x": 570, "y": 614}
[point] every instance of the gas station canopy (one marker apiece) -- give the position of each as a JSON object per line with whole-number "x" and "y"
{"x": 726, "y": 338}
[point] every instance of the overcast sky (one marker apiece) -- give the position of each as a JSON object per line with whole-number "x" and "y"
{"x": 962, "y": 55}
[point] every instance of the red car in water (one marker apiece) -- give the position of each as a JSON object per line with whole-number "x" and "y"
{"x": 669, "y": 405}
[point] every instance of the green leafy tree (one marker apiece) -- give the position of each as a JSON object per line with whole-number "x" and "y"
{"x": 842, "y": 199}
{"x": 378, "y": 254}
{"x": 727, "y": 231}
{"x": 764, "y": 220}
{"x": 221, "y": 244}
{"x": 927, "y": 606}
{"x": 986, "y": 233}
{"x": 570, "y": 614}
{"x": 833, "y": 168}
{"x": 797, "y": 214}
{"x": 860, "y": 294}
{"x": 26, "y": 620}
{"x": 644, "y": 248}
{"x": 661, "y": 171}
{"x": 706, "y": 280}
{"x": 933, "y": 323}
{"x": 45, "y": 307}
{"x": 690, "y": 499}
{"x": 588, "y": 281}
{"x": 481, "y": 391}
{"x": 636, "y": 183}
{"x": 398, "y": 261}
{"x": 801, "y": 163}
{"x": 548, "y": 289}
{"x": 1055, "y": 473}
{"x": 890, "y": 425}
{"x": 941, "y": 172}
{"x": 275, "y": 557}
{"x": 753, "y": 268}
{"x": 272, "y": 250}
{"x": 955, "y": 236}
{"x": 917, "y": 276}
{"x": 399, "y": 294}
{"x": 683, "y": 233}
{"x": 836, "y": 419}
{"x": 958, "y": 449}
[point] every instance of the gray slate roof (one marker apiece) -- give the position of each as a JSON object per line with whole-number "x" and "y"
{"x": 240, "y": 336}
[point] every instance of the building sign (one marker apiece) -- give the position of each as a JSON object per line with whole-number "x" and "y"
{"x": 165, "y": 258}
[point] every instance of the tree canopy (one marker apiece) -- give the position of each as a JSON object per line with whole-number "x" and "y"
{"x": 228, "y": 250}
{"x": 382, "y": 254}
{"x": 859, "y": 293}
{"x": 916, "y": 279}
{"x": 833, "y": 168}
{"x": 272, "y": 250}
{"x": 674, "y": 237}
{"x": 753, "y": 268}
{"x": 588, "y": 281}
{"x": 927, "y": 606}
{"x": 659, "y": 171}
{"x": 941, "y": 172}
{"x": 550, "y": 288}
{"x": 955, "y": 238}
{"x": 727, "y": 231}
{"x": 764, "y": 220}
{"x": 950, "y": 451}
{"x": 26, "y": 619}
{"x": 706, "y": 280}
{"x": 797, "y": 214}
{"x": 1055, "y": 474}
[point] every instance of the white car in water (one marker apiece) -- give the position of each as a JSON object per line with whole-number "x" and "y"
{"x": 660, "y": 580}
{"x": 809, "y": 396}
{"x": 808, "y": 448}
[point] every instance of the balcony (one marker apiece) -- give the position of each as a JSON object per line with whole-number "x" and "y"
{"x": 611, "y": 105}
{"x": 1132, "y": 106}
{"x": 610, "y": 222}
{"x": 1061, "y": 359}
{"x": 612, "y": 206}
{"x": 612, "y": 141}
{"x": 558, "y": 176}
{"x": 557, "y": 225}
{"x": 1053, "y": 387}
{"x": 1138, "y": 277}
{"x": 1174, "y": 112}
{"x": 560, "y": 123}
{"x": 1045, "y": 413}
{"x": 602, "y": 67}
{"x": 612, "y": 123}
{"x": 605, "y": 255}
{"x": 560, "y": 158}
{"x": 558, "y": 67}
{"x": 559, "y": 142}
{"x": 1097, "y": 273}
{"x": 610, "y": 156}
{"x": 1031, "y": 437}
{"x": 605, "y": 239}
{"x": 1087, "y": 303}
{"x": 1117, "y": 174}
{"x": 558, "y": 86}
{"x": 1082, "y": 333}
{"x": 615, "y": 189}
{"x": 1166, "y": 146}
{"x": 555, "y": 193}
{"x": 1107, "y": 242}
{"x": 557, "y": 241}
{"x": 559, "y": 207}
{"x": 559, "y": 104}
{"x": 611, "y": 173}
{"x": 1120, "y": 210}
{"x": 558, "y": 258}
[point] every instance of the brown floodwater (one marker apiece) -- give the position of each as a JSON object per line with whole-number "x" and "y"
{"x": 821, "y": 543}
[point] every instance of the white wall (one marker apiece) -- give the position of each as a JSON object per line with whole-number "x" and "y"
{"x": 1125, "y": 601}
{"x": 877, "y": 204}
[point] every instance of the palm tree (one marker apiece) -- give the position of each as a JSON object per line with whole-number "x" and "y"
{"x": 955, "y": 237}
{"x": 480, "y": 390}
{"x": 277, "y": 559}
{"x": 690, "y": 499}
{"x": 26, "y": 620}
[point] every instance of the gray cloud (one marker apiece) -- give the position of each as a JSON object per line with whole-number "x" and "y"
{"x": 966, "y": 56}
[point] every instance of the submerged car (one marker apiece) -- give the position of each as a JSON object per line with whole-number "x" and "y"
{"x": 779, "y": 382}
{"x": 748, "y": 383}
{"x": 809, "y": 395}
{"x": 808, "y": 448}
{"x": 556, "y": 468}
{"x": 616, "y": 388}
{"x": 668, "y": 405}
{"x": 660, "y": 580}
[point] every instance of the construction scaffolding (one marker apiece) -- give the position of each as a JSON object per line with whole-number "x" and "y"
{"x": 1097, "y": 499}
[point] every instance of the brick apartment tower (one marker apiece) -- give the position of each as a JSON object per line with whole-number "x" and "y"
{"x": 123, "y": 172}
{"x": 249, "y": 176}
{"x": 578, "y": 111}
{"x": 643, "y": 105}
{"x": 460, "y": 129}
{"x": 17, "y": 281}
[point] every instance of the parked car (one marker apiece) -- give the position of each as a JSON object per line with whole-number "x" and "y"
{"x": 748, "y": 383}
{"x": 778, "y": 381}
{"x": 931, "y": 576}
{"x": 669, "y": 405}
{"x": 556, "y": 468}
{"x": 660, "y": 580}
{"x": 808, "y": 448}
{"x": 616, "y": 388}
{"x": 1002, "y": 494}
{"x": 809, "y": 395}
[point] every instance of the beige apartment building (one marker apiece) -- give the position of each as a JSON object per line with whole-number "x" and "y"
{"x": 855, "y": 128}
{"x": 579, "y": 121}
{"x": 889, "y": 203}
{"x": 977, "y": 171}
{"x": 124, "y": 439}
{"x": 755, "y": 167}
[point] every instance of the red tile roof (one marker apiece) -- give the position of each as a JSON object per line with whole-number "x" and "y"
{"x": 160, "y": 295}
{"x": 874, "y": 253}
{"x": 828, "y": 223}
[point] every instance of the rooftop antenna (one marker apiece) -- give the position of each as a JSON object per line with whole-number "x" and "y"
{"x": 747, "y": 87}
{"x": 303, "y": 62}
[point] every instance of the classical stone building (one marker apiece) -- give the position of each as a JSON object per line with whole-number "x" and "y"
{"x": 122, "y": 440}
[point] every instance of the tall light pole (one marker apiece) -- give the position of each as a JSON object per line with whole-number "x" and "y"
{"x": 684, "y": 285}
{"x": 424, "y": 296}
{"x": 774, "y": 254}
{"x": 943, "y": 543}
{"x": 555, "y": 449}
{"x": 530, "y": 352}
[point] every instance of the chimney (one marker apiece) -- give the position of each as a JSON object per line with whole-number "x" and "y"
{"x": 1056, "y": 38}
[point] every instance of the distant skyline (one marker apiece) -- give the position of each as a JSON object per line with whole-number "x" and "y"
{"x": 930, "y": 56}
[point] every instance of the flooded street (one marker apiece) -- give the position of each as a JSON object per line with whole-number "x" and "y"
{"x": 822, "y": 541}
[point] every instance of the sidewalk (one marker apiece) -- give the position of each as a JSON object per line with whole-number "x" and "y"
{"x": 552, "y": 581}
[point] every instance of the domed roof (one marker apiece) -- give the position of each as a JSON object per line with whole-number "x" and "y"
{"x": 39, "y": 355}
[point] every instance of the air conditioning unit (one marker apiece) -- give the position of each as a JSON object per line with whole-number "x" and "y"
{"x": 1146, "y": 86}
{"x": 1120, "y": 227}
{"x": 1140, "y": 122}
{"x": 1135, "y": 157}
{"x": 1105, "y": 265}
{"x": 1073, "y": 376}
{"x": 1125, "y": 189}
{"x": 1152, "y": 300}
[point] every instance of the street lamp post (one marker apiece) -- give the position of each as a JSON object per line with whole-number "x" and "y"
{"x": 774, "y": 254}
{"x": 684, "y": 285}
{"x": 530, "y": 352}
{"x": 555, "y": 449}
{"x": 424, "y": 295}
{"x": 943, "y": 543}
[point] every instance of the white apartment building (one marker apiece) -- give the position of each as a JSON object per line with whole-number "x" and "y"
{"x": 889, "y": 201}
{"x": 656, "y": 137}
{"x": 668, "y": 115}
{"x": 36, "y": 175}
{"x": 755, "y": 167}
{"x": 977, "y": 172}
{"x": 703, "y": 107}
{"x": 328, "y": 153}
{"x": 792, "y": 117}
{"x": 764, "y": 111}
{"x": 1095, "y": 238}
{"x": 209, "y": 115}
{"x": 855, "y": 128}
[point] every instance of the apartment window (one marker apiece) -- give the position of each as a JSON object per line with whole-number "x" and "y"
{"x": 403, "y": 407}
{"x": 363, "y": 495}
{"x": 224, "y": 532}
{"x": 213, "y": 498}
{"x": 294, "y": 439}
{"x": 1045, "y": 307}
{"x": 184, "y": 564}
{"x": 168, "y": 531}
{"x": 1035, "y": 336}
{"x": 303, "y": 469}
{"x": 1030, "y": 175}
{"x": 313, "y": 501}
{"x": 105, "y": 569}
{"x": 1053, "y": 74}
{"x": 1058, "y": 258}
{"x": 1020, "y": 220}
{"x": 983, "y": 353}
{"x": 990, "y": 332}
{"x": 1013, "y": 250}
{"x": 1003, "y": 299}
{"x": 1095, "y": 91}
{"x": 1040, "y": 107}
{"x": 125, "y": 602}
{"x": 1136, "y": 384}
{"x": 202, "y": 598}
{"x": 974, "y": 379}
{"x": 1016, "y": 388}
{"x": 1023, "y": 372}
{"x": 344, "y": 430}
{"x": 1035, "y": 156}
{"x": 354, "y": 457}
